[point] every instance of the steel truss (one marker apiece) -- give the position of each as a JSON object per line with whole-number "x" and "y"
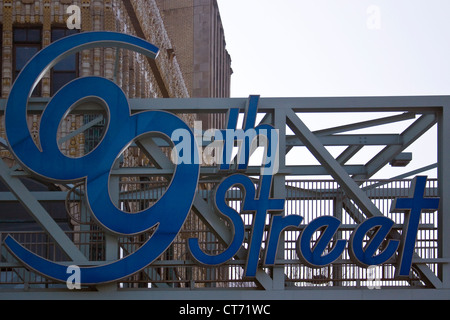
{"x": 351, "y": 194}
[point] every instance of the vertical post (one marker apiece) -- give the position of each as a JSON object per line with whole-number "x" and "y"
{"x": 279, "y": 191}
{"x": 338, "y": 207}
{"x": 112, "y": 246}
{"x": 444, "y": 190}
{"x": 85, "y": 227}
{"x": 112, "y": 241}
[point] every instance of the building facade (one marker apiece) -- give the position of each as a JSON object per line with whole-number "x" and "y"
{"x": 197, "y": 34}
{"x": 140, "y": 18}
{"x": 198, "y": 38}
{"x": 28, "y": 26}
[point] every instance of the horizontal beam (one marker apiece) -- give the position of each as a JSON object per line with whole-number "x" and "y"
{"x": 246, "y": 294}
{"x": 351, "y": 139}
{"x": 294, "y": 141}
{"x": 418, "y": 104}
{"x": 251, "y": 170}
{"x": 6, "y": 196}
{"x": 292, "y": 194}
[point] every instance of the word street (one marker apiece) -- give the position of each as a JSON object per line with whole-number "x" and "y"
{"x": 319, "y": 255}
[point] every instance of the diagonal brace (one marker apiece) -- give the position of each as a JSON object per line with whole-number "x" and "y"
{"x": 37, "y": 211}
{"x": 346, "y": 182}
{"x": 204, "y": 212}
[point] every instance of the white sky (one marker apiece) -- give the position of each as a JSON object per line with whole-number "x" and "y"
{"x": 298, "y": 48}
{"x": 295, "y": 48}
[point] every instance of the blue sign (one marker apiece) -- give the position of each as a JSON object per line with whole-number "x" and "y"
{"x": 170, "y": 211}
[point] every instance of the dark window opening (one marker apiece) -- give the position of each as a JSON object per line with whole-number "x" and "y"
{"x": 67, "y": 69}
{"x": 27, "y": 42}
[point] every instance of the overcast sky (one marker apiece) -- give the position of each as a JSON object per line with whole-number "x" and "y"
{"x": 338, "y": 47}
{"x": 298, "y": 48}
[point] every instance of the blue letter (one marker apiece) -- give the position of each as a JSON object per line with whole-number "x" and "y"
{"x": 168, "y": 213}
{"x": 366, "y": 256}
{"x": 238, "y": 226}
{"x": 316, "y": 257}
{"x": 412, "y": 207}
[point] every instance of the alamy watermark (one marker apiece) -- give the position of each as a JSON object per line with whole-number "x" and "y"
{"x": 373, "y": 21}
{"x": 226, "y": 147}
{"x": 74, "y": 20}
{"x": 74, "y": 278}
{"x": 373, "y": 277}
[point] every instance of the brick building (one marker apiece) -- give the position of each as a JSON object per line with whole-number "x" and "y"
{"x": 198, "y": 39}
{"x": 197, "y": 34}
{"x": 28, "y": 26}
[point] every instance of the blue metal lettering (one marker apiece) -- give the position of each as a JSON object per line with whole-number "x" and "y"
{"x": 412, "y": 207}
{"x": 246, "y": 185}
{"x": 366, "y": 256}
{"x": 48, "y": 162}
{"x": 317, "y": 256}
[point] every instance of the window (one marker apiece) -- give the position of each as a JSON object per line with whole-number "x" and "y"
{"x": 65, "y": 70}
{"x": 27, "y": 42}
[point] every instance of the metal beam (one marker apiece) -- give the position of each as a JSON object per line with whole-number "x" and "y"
{"x": 205, "y": 212}
{"x": 444, "y": 191}
{"x": 332, "y": 166}
{"x": 6, "y": 196}
{"x": 346, "y": 182}
{"x": 419, "y": 104}
{"x": 80, "y": 129}
{"x": 38, "y": 212}
{"x": 154, "y": 153}
{"x": 299, "y": 170}
{"x": 208, "y": 294}
{"x": 429, "y": 109}
{"x": 351, "y": 139}
{"x": 279, "y": 191}
{"x": 411, "y": 134}
{"x": 348, "y": 153}
{"x": 365, "y": 124}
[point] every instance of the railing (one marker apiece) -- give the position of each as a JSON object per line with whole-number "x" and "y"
{"x": 175, "y": 268}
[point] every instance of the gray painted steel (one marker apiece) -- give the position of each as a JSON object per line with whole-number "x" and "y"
{"x": 423, "y": 112}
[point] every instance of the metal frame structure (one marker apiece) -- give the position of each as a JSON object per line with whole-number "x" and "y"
{"x": 348, "y": 193}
